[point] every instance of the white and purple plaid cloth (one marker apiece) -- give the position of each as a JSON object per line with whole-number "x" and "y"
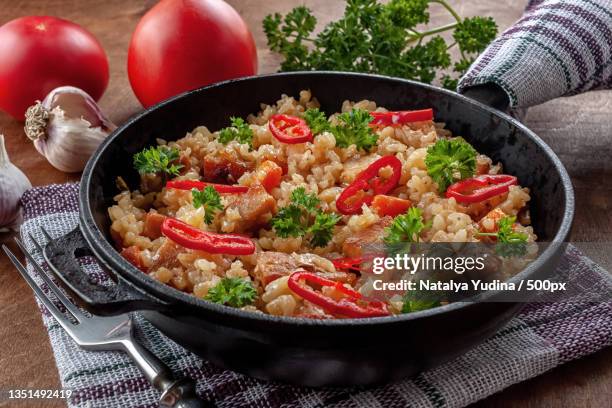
{"x": 557, "y": 48}
{"x": 540, "y": 338}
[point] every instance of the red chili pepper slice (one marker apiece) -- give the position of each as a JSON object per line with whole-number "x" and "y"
{"x": 200, "y": 185}
{"x": 348, "y": 264}
{"x": 352, "y": 305}
{"x": 353, "y": 264}
{"x": 353, "y": 197}
{"x": 356, "y": 194}
{"x": 400, "y": 117}
{"x": 480, "y": 188}
{"x": 211, "y": 242}
{"x": 289, "y": 129}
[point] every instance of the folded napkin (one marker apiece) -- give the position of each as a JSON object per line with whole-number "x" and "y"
{"x": 540, "y": 338}
{"x": 557, "y": 48}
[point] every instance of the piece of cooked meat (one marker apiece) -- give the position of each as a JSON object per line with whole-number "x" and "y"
{"x": 255, "y": 207}
{"x": 225, "y": 167}
{"x": 132, "y": 255}
{"x": 273, "y": 265}
{"x": 152, "y": 225}
{"x": 371, "y": 235}
{"x": 166, "y": 256}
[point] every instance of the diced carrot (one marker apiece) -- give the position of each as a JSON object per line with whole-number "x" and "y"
{"x": 132, "y": 255}
{"x": 269, "y": 175}
{"x": 389, "y": 205}
{"x": 279, "y": 159}
{"x": 152, "y": 225}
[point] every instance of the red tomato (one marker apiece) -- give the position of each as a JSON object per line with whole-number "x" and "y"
{"x": 181, "y": 45}
{"x": 40, "y": 53}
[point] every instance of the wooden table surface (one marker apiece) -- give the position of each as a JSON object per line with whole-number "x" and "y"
{"x": 577, "y": 128}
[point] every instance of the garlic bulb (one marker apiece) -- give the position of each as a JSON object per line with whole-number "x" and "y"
{"x": 13, "y": 183}
{"x": 67, "y": 127}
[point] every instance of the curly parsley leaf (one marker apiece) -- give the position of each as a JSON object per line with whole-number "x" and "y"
{"x": 288, "y": 34}
{"x": 234, "y": 292}
{"x": 288, "y": 222}
{"x": 449, "y": 82}
{"x": 406, "y": 227}
{"x": 308, "y": 201}
{"x": 472, "y": 35}
{"x": 450, "y": 160}
{"x": 353, "y": 128}
{"x": 378, "y": 37}
{"x": 317, "y": 121}
{"x": 160, "y": 159}
{"x": 208, "y": 198}
{"x": 415, "y": 301}
{"x": 304, "y": 217}
{"x": 475, "y": 33}
{"x": 510, "y": 243}
{"x": 322, "y": 228}
{"x": 408, "y": 13}
{"x": 238, "y": 130}
{"x": 424, "y": 60}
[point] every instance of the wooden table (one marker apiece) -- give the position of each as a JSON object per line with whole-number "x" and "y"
{"x": 577, "y": 128}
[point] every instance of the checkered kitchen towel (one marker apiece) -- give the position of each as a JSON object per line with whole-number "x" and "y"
{"x": 542, "y": 337}
{"x": 557, "y": 48}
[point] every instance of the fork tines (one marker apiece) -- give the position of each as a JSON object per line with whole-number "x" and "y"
{"x": 75, "y": 315}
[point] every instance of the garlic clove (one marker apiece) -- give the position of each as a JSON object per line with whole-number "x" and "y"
{"x": 13, "y": 183}
{"x": 67, "y": 127}
{"x": 77, "y": 104}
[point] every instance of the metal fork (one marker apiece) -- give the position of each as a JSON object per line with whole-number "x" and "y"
{"x": 108, "y": 333}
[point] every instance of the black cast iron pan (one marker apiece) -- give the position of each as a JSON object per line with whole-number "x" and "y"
{"x": 301, "y": 351}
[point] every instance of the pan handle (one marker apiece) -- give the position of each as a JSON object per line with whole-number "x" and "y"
{"x": 62, "y": 255}
{"x": 490, "y": 94}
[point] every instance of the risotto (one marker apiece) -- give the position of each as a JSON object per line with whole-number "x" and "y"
{"x": 272, "y": 213}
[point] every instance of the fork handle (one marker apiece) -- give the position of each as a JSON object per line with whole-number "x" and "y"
{"x": 175, "y": 393}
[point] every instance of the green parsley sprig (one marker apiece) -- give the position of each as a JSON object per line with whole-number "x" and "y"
{"x": 304, "y": 217}
{"x": 406, "y": 228}
{"x": 322, "y": 228}
{"x": 234, "y": 292}
{"x": 316, "y": 120}
{"x": 415, "y": 301}
{"x": 238, "y": 130}
{"x": 449, "y": 161}
{"x": 160, "y": 159}
{"x": 380, "y": 38}
{"x": 510, "y": 243}
{"x": 354, "y": 128}
{"x": 208, "y": 198}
